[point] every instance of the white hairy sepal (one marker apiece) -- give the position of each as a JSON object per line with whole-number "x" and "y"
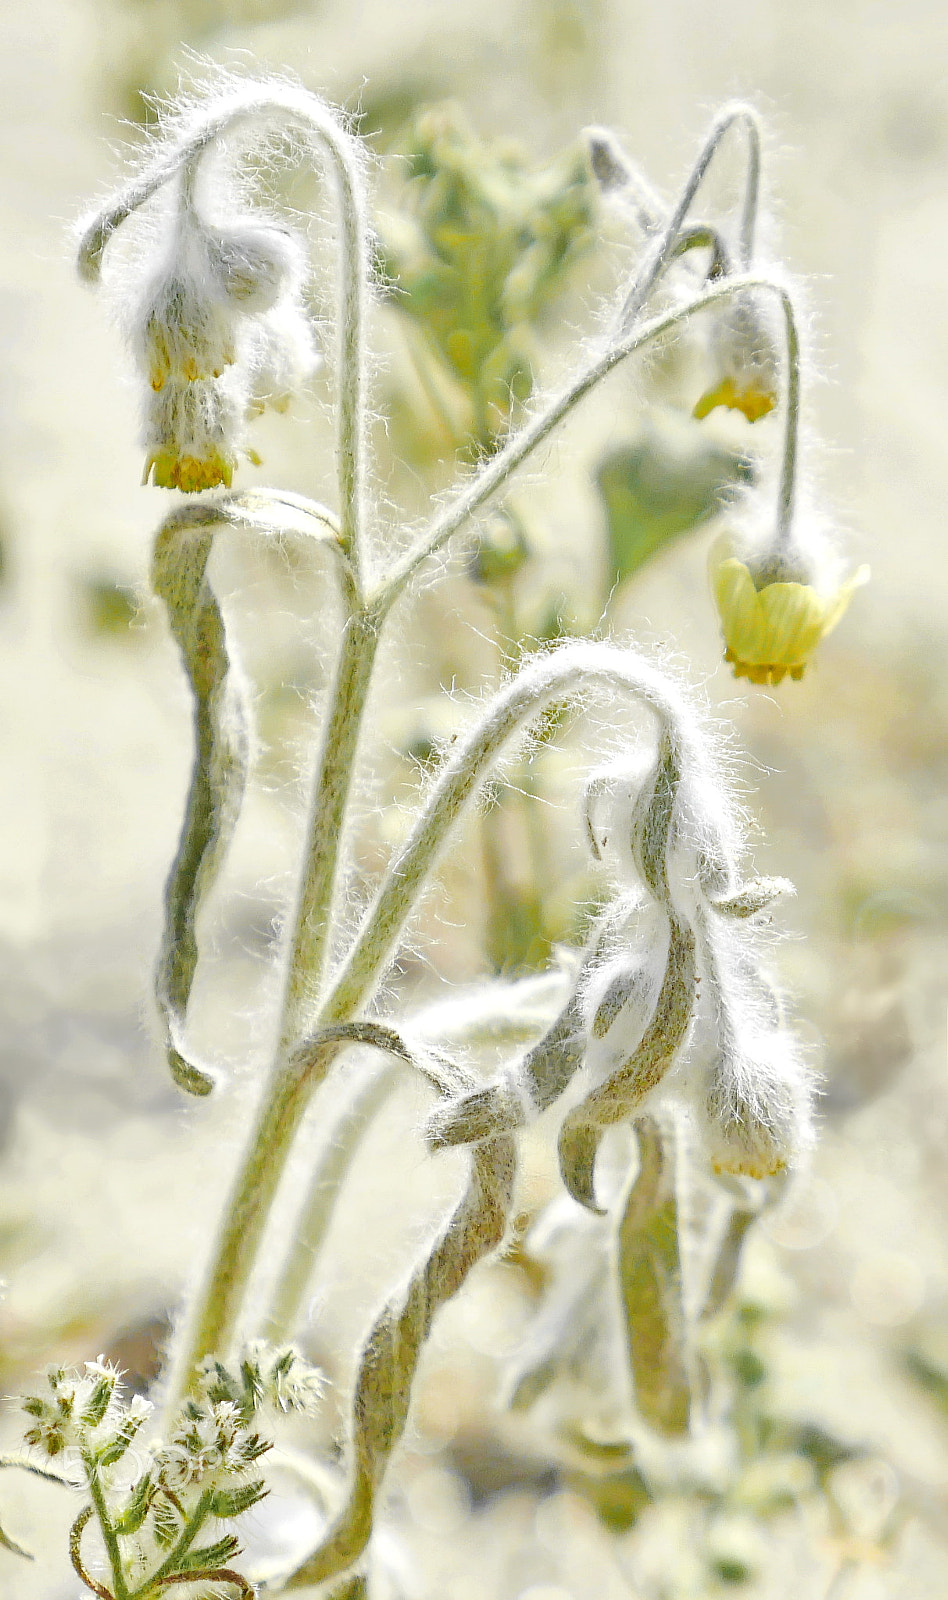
{"x": 280, "y": 354}
{"x": 759, "y": 1106}
{"x": 187, "y": 318}
{"x": 752, "y": 1092}
{"x": 701, "y": 836}
{"x": 621, "y": 993}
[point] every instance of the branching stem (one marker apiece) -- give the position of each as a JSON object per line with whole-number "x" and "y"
{"x": 664, "y": 249}
{"x": 285, "y": 1102}
{"x": 496, "y": 472}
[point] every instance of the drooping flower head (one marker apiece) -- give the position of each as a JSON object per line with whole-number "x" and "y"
{"x": 776, "y": 606}
{"x": 212, "y": 303}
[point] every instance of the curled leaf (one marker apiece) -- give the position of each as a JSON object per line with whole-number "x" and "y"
{"x": 625, "y": 1089}
{"x": 753, "y": 897}
{"x": 218, "y": 778}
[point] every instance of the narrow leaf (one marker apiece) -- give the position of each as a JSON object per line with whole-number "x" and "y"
{"x": 650, "y": 1290}
{"x": 179, "y": 575}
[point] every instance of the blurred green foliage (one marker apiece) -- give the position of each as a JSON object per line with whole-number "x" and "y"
{"x": 666, "y": 483}
{"x": 483, "y": 248}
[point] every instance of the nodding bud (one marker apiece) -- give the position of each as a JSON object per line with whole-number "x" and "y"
{"x": 256, "y": 264}
{"x": 220, "y": 332}
{"x": 619, "y": 179}
{"x": 744, "y": 356}
{"x": 758, "y": 1106}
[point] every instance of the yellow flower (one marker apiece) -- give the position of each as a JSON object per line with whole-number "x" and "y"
{"x": 773, "y": 629}
{"x": 753, "y": 398}
{"x": 189, "y": 473}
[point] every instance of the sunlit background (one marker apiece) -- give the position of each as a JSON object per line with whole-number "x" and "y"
{"x": 107, "y": 1183}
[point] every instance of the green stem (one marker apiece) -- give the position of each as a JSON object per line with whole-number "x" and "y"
{"x": 214, "y": 1317}
{"x": 318, "y": 1208}
{"x": 312, "y": 921}
{"x": 549, "y": 678}
{"x": 109, "y": 1535}
{"x": 495, "y": 473}
{"x": 791, "y": 426}
{"x": 663, "y": 252}
{"x": 183, "y": 1544}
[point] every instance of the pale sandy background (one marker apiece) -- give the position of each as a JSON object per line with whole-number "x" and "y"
{"x": 103, "y": 1177}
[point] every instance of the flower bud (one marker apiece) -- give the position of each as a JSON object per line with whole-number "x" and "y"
{"x": 758, "y": 1105}
{"x": 219, "y": 331}
{"x": 743, "y": 352}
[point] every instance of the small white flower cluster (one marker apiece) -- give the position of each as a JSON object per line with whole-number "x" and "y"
{"x": 220, "y": 332}
{"x": 85, "y": 1412}
{"x": 206, "y": 1472}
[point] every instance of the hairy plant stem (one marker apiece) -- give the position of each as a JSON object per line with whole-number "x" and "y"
{"x": 109, "y": 1536}
{"x": 312, "y": 921}
{"x": 665, "y": 248}
{"x": 499, "y": 468}
{"x": 319, "y": 1204}
{"x": 791, "y": 426}
{"x": 214, "y": 1319}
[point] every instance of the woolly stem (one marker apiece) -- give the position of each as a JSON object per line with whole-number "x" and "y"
{"x": 559, "y": 675}
{"x": 521, "y": 445}
{"x": 316, "y": 1213}
{"x": 312, "y": 920}
{"x": 664, "y": 249}
{"x": 215, "y": 1307}
{"x": 238, "y": 103}
{"x": 791, "y": 426}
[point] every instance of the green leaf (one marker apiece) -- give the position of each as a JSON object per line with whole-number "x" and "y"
{"x": 132, "y": 1518}
{"x": 650, "y": 1289}
{"x": 210, "y": 1555}
{"x": 179, "y": 576}
{"x": 665, "y": 484}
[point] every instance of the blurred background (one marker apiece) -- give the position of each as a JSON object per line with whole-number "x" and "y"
{"x": 108, "y": 1183}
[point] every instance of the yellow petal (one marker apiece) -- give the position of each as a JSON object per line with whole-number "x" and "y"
{"x": 739, "y": 607}
{"x": 792, "y": 623}
{"x": 837, "y": 605}
{"x": 749, "y": 398}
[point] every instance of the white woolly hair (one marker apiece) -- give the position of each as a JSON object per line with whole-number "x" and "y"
{"x": 753, "y": 1092}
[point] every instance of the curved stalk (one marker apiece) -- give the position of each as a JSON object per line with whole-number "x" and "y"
{"x": 312, "y": 918}
{"x": 282, "y": 1109}
{"x": 319, "y": 1205}
{"x": 663, "y": 251}
{"x": 521, "y": 445}
{"x": 554, "y": 677}
{"x": 181, "y": 151}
